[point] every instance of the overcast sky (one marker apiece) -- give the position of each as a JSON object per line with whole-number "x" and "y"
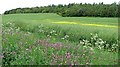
{"x": 12, "y": 4}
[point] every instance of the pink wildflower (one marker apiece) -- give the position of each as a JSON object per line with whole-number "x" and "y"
{"x": 68, "y": 55}
{"x": 1, "y": 56}
{"x": 54, "y": 46}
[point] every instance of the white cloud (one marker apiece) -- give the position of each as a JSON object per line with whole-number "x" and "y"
{"x": 12, "y": 4}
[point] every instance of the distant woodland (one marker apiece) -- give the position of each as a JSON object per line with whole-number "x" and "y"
{"x": 73, "y": 10}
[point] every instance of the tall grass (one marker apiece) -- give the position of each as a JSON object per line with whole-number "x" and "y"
{"x": 45, "y": 45}
{"x": 36, "y": 19}
{"x": 27, "y": 42}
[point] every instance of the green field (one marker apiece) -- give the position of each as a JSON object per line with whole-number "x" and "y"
{"x": 51, "y": 39}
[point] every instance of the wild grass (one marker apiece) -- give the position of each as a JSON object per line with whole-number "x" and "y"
{"x": 31, "y": 39}
{"x": 48, "y": 19}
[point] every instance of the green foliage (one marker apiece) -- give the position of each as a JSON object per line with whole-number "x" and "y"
{"x": 73, "y": 10}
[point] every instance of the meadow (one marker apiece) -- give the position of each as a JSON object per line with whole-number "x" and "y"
{"x": 49, "y": 39}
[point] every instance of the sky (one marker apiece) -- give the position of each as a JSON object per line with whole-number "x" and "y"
{"x": 12, "y": 4}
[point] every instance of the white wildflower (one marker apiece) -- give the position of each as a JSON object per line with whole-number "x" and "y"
{"x": 91, "y": 49}
{"x": 55, "y": 34}
{"x": 27, "y": 49}
{"x": 81, "y": 42}
{"x": 63, "y": 38}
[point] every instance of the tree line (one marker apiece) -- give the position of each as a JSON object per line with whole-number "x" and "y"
{"x": 73, "y": 10}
